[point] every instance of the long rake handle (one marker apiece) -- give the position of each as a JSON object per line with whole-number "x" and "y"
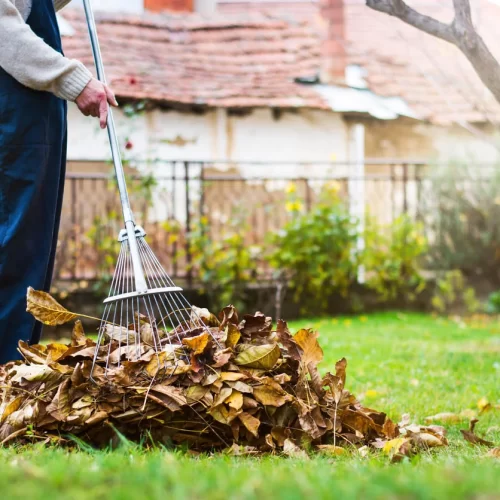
{"x": 140, "y": 281}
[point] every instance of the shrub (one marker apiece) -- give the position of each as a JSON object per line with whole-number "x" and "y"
{"x": 227, "y": 266}
{"x": 452, "y": 293}
{"x": 316, "y": 250}
{"x": 391, "y": 258}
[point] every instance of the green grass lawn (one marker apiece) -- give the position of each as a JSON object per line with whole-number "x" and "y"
{"x": 398, "y": 363}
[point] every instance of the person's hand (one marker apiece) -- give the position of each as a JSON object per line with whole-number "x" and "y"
{"x": 93, "y": 101}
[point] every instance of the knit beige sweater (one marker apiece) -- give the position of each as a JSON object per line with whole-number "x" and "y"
{"x": 28, "y": 59}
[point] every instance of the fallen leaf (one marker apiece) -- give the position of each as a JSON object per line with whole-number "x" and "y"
{"x": 471, "y": 437}
{"x": 251, "y": 423}
{"x": 270, "y": 393}
{"x": 330, "y": 449}
{"x": 46, "y": 309}
{"x": 495, "y": 453}
{"x": 261, "y": 356}
{"x": 292, "y": 450}
{"x": 197, "y": 344}
{"x": 307, "y": 340}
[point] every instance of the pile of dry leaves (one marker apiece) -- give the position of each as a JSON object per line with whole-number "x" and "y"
{"x": 258, "y": 390}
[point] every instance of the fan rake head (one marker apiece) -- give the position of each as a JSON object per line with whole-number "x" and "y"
{"x": 157, "y": 318}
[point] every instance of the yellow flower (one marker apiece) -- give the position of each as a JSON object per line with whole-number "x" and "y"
{"x": 347, "y": 322}
{"x": 371, "y": 393}
{"x": 293, "y": 206}
{"x": 334, "y": 187}
{"x": 291, "y": 188}
{"x": 363, "y": 319}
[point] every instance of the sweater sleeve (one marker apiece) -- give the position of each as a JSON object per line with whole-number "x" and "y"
{"x": 59, "y": 4}
{"x": 28, "y": 59}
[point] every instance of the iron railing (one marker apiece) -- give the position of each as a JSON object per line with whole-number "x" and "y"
{"x": 180, "y": 194}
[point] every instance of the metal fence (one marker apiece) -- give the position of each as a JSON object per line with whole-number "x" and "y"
{"x": 170, "y": 198}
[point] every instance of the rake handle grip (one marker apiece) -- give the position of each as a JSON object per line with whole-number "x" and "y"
{"x": 140, "y": 281}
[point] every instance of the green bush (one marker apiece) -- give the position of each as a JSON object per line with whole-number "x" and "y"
{"x": 226, "y": 266}
{"x": 452, "y": 293}
{"x": 391, "y": 258}
{"x": 316, "y": 250}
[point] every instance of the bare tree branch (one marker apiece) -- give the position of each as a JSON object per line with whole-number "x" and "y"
{"x": 460, "y": 32}
{"x": 401, "y": 10}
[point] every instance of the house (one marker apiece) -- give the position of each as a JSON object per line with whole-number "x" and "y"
{"x": 278, "y": 89}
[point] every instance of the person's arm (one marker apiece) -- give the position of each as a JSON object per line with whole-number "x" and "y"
{"x": 32, "y": 62}
{"x": 28, "y": 59}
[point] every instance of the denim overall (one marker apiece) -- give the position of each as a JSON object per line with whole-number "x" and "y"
{"x": 32, "y": 169}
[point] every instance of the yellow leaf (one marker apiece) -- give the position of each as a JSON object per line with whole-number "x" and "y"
{"x": 307, "y": 341}
{"x": 11, "y": 408}
{"x": 235, "y": 400}
{"x": 330, "y": 449}
{"x": 197, "y": 344}
{"x": 483, "y": 403}
{"x": 232, "y": 376}
{"x": 55, "y": 351}
{"x": 262, "y": 357}
{"x": 394, "y": 445}
{"x": 46, "y": 309}
{"x": 233, "y": 335}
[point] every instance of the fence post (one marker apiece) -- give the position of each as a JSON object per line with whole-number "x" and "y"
{"x": 74, "y": 194}
{"x": 307, "y": 194}
{"x": 189, "y": 258}
{"x": 405, "y": 188}
{"x": 357, "y": 205}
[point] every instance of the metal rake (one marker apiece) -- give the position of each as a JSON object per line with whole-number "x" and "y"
{"x": 144, "y": 309}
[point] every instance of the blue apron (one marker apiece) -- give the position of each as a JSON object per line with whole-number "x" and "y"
{"x": 32, "y": 169}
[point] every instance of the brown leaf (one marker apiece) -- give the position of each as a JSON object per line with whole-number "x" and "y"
{"x": 257, "y": 325}
{"x": 270, "y": 393}
{"x": 60, "y": 407}
{"x": 33, "y": 354}
{"x": 251, "y": 423}
{"x": 204, "y": 315}
{"x": 472, "y": 438}
{"x": 228, "y": 315}
{"x": 449, "y": 418}
{"x": 46, "y": 309}
{"x": 78, "y": 337}
{"x": 307, "y": 340}
{"x": 285, "y": 338}
{"x": 262, "y": 356}
{"x": 292, "y": 450}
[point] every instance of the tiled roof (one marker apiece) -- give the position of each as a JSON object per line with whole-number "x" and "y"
{"x": 249, "y": 57}
{"x": 237, "y": 61}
